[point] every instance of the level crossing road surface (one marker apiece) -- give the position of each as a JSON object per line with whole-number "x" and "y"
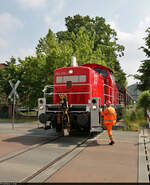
{"x": 126, "y": 161}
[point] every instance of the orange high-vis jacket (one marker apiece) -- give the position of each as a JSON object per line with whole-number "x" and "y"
{"x": 109, "y": 116}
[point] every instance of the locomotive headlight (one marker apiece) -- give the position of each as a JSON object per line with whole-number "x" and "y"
{"x": 94, "y": 107}
{"x": 41, "y": 107}
{"x": 70, "y": 71}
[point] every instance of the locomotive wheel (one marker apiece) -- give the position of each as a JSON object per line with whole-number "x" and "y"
{"x": 58, "y": 127}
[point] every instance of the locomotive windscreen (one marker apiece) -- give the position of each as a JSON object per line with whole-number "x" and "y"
{"x": 103, "y": 72}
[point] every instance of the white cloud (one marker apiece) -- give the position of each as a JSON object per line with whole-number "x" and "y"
{"x": 3, "y": 44}
{"x": 132, "y": 41}
{"x": 54, "y": 24}
{"x": 32, "y": 3}
{"x": 9, "y": 23}
{"x": 23, "y": 52}
{"x": 54, "y": 19}
{"x": 144, "y": 24}
{"x": 48, "y": 20}
{"x": 58, "y": 6}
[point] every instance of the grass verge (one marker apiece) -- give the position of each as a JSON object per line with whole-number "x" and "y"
{"x": 134, "y": 119}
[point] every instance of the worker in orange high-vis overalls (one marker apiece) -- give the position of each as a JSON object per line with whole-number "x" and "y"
{"x": 109, "y": 114}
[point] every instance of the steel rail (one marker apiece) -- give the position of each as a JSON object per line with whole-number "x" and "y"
{"x": 28, "y": 179}
{"x": 20, "y": 152}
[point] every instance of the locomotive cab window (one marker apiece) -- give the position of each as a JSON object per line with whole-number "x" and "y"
{"x": 73, "y": 78}
{"x": 102, "y": 72}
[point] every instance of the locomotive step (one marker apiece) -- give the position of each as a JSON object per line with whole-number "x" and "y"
{"x": 96, "y": 129}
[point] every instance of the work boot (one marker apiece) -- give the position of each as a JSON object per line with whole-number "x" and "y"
{"x": 112, "y": 143}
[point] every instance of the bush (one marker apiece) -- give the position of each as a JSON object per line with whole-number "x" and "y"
{"x": 144, "y": 101}
{"x": 134, "y": 119}
{"x": 119, "y": 110}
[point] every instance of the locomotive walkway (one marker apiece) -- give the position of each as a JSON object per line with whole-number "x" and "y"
{"x": 127, "y": 161}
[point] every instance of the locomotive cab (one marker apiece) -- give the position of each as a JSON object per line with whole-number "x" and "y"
{"x": 110, "y": 88}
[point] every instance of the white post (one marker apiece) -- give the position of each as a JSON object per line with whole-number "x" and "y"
{"x": 13, "y": 111}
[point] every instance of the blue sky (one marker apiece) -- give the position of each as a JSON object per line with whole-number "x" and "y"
{"x": 24, "y": 22}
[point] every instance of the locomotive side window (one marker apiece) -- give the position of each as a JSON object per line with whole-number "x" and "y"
{"x": 75, "y": 78}
{"x": 103, "y": 72}
{"x": 59, "y": 79}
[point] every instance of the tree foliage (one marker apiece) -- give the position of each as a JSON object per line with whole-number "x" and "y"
{"x": 144, "y": 69}
{"x": 144, "y": 78}
{"x": 144, "y": 101}
{"x": 9, "y": 72}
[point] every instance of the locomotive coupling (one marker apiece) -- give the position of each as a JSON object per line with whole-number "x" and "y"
{"x": 65, "y": 109}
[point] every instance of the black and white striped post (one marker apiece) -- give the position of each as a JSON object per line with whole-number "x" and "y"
{"x": 13, "y": 95}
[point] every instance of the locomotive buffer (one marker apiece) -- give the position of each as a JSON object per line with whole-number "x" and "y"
{"x": 95, "y": 116}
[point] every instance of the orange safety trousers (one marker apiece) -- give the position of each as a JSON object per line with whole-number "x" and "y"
{"x": 109, "y": 131}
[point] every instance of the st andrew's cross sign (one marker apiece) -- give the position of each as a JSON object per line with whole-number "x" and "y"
{"x": 12, "y": 95}
{"x": 14, "y": 87}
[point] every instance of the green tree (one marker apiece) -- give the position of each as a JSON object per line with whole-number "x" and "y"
{"x": 120, "y": 76}
{"x": 144, "y": 78}
{"x": 144, "y": 101}
{"x": 57, "y": 53}
{"x": 82, "y": 45}
{"x": 33, "y": 77}
{"x": 147, "y": 43}
{"x": 103, "y": 48}
{"x": 9, "y": 72}
{"x": 144, "y": 69}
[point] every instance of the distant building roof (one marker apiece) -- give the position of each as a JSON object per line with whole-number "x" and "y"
{"x": 2, "y": 65}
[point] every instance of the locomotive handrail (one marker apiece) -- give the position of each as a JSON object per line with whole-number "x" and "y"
{"x": 72, "y": 93}
{"x": 110, "y": 95}
{"x": 64, "y": 84}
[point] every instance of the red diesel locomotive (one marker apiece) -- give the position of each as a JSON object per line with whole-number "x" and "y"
{"x": 73, "y": 102}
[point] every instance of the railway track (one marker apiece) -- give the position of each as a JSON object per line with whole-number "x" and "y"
{"x": 39, "y": 162}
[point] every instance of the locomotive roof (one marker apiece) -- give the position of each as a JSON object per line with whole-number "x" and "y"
{"x": 73, "y": 67}
{"x": 97, "y": 65}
